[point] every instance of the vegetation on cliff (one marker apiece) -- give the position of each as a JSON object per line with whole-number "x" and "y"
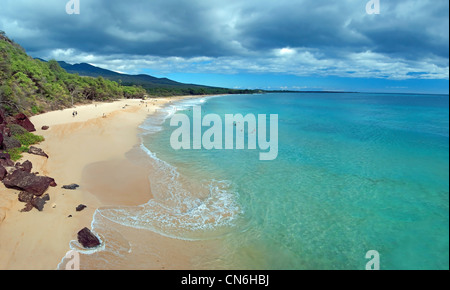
{"x": 32, "y": 86}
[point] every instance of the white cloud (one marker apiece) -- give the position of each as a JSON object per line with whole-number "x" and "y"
{"x": 286, "y": 51}
{"x": 300, "y": 62}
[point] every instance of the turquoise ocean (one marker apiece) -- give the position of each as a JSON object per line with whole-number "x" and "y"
{"x": 355, "y": 172}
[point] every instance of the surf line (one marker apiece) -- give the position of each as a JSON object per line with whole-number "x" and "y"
{"x": 212, "y": 138}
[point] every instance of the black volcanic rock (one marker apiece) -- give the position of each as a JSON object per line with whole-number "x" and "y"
{"x": 80, "y": 207}
{"x": 38, "y": 203}
{"x": 22, "y": 120}
{"x": 87, "y": 239}
{"x": 37, "y": 151}
{"x": 72, "y": 186}
{"x": 28, "y": 182}
{"x": 5, "y": 160}
{"x": 34, "y": 201}
{"x": 26, "y": 166}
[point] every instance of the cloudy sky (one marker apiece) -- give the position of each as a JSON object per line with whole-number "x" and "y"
{"x": 269, "y": 44}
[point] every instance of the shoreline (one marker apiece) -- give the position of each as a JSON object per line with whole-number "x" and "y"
{"x": 91, "y": 150}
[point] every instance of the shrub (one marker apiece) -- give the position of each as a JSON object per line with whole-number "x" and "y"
{"x": 23, "y": 139}
{"x": 35, "y": 110}
{"x": 16, "y": 153}
{"x": 27, "y": 139}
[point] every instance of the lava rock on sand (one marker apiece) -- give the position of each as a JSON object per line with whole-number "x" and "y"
{"x": 87, "y": 239}
{"x": 72, "y": 186}
{"x": 28, "y": 182}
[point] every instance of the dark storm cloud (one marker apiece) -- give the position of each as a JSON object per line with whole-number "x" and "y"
{"x": 135, "y": 27}
{"x": 263, "y": 35}
{"x": 297, "y": 24}
{"x": 409, "y": 29}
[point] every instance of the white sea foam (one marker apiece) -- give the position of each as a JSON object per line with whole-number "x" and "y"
{"x": 154, "y": 123}
{"x": 178, "y": 209}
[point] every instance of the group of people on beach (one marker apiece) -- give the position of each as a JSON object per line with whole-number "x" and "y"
{"x": 75, "y": 113}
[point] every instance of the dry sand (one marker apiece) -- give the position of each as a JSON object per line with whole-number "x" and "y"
{"x": 93, "y": 143}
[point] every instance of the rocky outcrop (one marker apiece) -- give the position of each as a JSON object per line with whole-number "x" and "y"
{"x": 37, "y": 151}
{"x": 5, "y": 160}
{"x": 18, "y": 176}
{"x": 28, "y": 182}
{"x": 87, "y": 239}
{"x": 31, "y": 201}
{"x": 22, "y": 120}
{"x": 5, "y": 156}
{"x": 10, "y": 143}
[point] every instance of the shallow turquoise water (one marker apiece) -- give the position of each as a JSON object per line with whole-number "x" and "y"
{"x": 355, "y": 172}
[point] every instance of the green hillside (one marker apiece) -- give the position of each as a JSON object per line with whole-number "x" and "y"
{"x": 154, "y": 86}
{"x": 32, "y": 86}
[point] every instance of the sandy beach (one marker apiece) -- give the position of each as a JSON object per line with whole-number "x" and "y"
{"x": 88, "y": 149}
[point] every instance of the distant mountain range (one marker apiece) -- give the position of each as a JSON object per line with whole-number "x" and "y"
{"x": 153, "y": 85}
{"x": 85, "y": 69}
